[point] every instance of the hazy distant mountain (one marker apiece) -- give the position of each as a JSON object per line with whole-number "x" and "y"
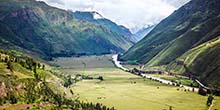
{"x": 48, "y": 31}
{"x": 187, "y": 41}
{"x": 142, "y": 33}
{"x": 98, "y": 19}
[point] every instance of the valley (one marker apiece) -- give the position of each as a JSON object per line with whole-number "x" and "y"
{"x": 110, "y": 55}
{"x": 123, "y": 90}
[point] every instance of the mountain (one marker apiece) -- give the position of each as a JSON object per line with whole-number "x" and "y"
{"x": 37, "y": 28}
{"x": 202, "y": 61}
{"x": 98, "y": 19}
{"x": 142, "y": 33}
{"x": 181, "y": 34}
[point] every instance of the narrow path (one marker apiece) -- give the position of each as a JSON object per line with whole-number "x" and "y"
{"x": 118, "y": 65}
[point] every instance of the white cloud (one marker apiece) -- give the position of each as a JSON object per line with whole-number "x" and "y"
{"x": 130, "y": 13}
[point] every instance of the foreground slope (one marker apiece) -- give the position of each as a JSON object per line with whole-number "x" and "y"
{"x": 194, "y": 23}
{"x": 26, "y": 83}
{"x": 49, "y": 31}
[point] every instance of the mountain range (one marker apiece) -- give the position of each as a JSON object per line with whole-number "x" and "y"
{"x": 186, "y": 42}
{"x": 35, "y": 27}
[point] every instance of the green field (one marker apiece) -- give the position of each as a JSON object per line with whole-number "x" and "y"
{"x": 126, "y": 91}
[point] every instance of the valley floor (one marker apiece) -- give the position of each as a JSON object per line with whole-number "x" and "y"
{"x": 126, "y": 91}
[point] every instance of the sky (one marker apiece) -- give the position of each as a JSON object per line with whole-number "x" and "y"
{"x": 133, "y": 14}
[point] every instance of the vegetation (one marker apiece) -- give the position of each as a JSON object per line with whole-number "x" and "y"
{"x": 137, "y": 93}
{"x": 209, "y": 100}
{"x": 192, "y": 24}
{"x": 200, "y": 62}
{"x": 24, "y": 81}
{"x": 108, "y": 24}
{"x": 52, "y": 32}
{"x": 186, "y": 42}
{"x": 176, "y": 79}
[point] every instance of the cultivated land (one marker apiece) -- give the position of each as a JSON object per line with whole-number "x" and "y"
{"x": 125, "y": 91}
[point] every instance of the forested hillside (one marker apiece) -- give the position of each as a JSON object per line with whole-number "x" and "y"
{"x": 34, "y": 27}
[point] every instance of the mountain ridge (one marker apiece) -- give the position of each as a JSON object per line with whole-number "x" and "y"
{"x": 49, "y": 31}
{"x": 112, "y": 26}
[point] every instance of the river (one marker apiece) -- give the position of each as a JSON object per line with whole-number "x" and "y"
{"x": 118, "y": 65}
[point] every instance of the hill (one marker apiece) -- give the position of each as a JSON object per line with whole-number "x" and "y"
{"x": 26, "y": 83}
{"x": 187, "y": 28}
{"x": 35, "y": 27}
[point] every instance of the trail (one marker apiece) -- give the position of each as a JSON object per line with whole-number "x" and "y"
{"x": 118, "y": 65}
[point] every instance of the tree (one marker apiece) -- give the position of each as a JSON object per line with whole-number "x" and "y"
{"x": 37, "y": 76}
{"x": 170, "y": 108}
{"x": 9, "y": 66}
{"x": 202, "y": 91}
{"x": 12, "y": 98}
{"x": 6, "y": 59}
{"x": 31, "y": 92}
{"x": 58, "y": 100}
{"x": 68, "y": 81}
{"x": 1, "y": 100}
{"x": 39, "y": 65}
{"x": 209, "y": 100}
{"x": 22, "y": 63}
{"x": 43, "y": 67}
{"x": 98, "y": 106}
{"x": 101, "y": 78}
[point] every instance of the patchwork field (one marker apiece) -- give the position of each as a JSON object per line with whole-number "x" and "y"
{"x": 126, "y": 91}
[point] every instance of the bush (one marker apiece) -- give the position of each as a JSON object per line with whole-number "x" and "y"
{"x": 202, "y": 91}
{"x": 100, "y": 78}
{"x": 1, "y": 100}
{"x": 12, "y": 98}
{"x": 209, "y": 100}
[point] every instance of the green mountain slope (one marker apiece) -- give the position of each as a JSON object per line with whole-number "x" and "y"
{"x": 202, "y": 61}
{"x": 189, "y": 26}
{"x": 187, "y": 42}
{"x": 98, "y": 19}
{"x": 52, "y": 32}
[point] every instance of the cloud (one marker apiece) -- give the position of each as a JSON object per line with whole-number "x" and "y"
{"x": 132, "y": 14}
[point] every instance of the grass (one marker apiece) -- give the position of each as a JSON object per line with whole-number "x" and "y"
{"x": 120, "y": 90}
{"x": 216, "y": 103}
{"x": 79, "y": 64}
{"x": 126, "y": 91}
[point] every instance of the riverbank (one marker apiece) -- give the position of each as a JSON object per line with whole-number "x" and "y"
{"x": 118, "y": 65}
